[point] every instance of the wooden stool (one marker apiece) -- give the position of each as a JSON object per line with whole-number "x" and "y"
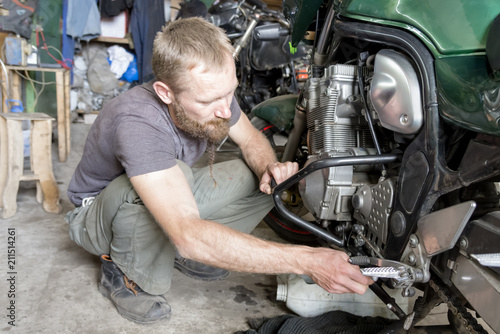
{"x": 12, "y": 161}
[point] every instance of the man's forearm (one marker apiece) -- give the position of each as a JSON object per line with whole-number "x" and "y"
{"x": 217, "y": 245}
{"x": 220, "y": 246}
{"x": 258, "y": 153}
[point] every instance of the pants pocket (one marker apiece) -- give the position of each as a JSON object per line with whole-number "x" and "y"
{"x": 78, "y": 231}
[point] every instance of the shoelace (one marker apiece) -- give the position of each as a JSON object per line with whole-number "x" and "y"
{"x": 130, "y": 284}
{"x": 87, "y": 201}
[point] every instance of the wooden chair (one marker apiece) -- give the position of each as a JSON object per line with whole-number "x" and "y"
{"x": 12, "y": 161}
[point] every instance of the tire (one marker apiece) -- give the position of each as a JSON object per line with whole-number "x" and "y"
{"x": 289, "y": 231}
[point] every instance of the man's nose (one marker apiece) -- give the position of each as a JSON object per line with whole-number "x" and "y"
{"x": 223, "y": 110}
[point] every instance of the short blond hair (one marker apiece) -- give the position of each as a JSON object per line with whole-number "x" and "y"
{"x": 185, "y": 43}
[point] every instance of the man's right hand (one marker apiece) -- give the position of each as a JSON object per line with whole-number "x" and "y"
{"x": 331, "y": 270}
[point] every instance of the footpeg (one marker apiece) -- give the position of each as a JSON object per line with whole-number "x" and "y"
{"x": 402, "y": 275}
{"x": 375, "y": 267}
{"x": 488, "y": 260}
{"x": 382, "y": 272}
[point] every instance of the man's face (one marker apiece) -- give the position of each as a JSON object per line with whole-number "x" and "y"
{"x": 202, "y": 109}
{"x": 214, "y": 130}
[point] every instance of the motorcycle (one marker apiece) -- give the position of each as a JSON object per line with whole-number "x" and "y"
{"x": 266, "y": 65}
{"x": 397, "y": 135}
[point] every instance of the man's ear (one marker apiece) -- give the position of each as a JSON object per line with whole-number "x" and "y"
{"x": 164, "y": 92}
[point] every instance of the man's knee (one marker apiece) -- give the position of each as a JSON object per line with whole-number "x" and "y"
{"x": 79, "y": 232}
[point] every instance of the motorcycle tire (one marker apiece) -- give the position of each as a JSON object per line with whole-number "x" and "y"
{"x": 288, "y": 231}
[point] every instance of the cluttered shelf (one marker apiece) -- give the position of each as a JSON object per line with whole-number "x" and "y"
{"x": 100, "y": 70}
{"x": 115, "y": 40}
{"x": 11, "y": 82}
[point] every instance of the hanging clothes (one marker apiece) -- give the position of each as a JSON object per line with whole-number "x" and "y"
{"x": 83, "y": 21}
{"x": 110, "y": 8}
{"x": 147, "y": 18}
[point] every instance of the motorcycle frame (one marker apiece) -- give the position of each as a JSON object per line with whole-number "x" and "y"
{"x": 424, "y": 176}
{"x": 423, "y": 164}
{"x": 427, "y": 151}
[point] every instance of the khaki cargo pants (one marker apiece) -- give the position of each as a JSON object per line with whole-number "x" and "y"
{"x": 117, "y": 223}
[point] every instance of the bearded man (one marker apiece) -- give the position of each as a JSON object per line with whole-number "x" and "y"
{"x": 143, "y": 208}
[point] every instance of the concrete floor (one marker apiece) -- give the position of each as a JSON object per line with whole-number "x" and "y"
{"x": 56, "y": 281}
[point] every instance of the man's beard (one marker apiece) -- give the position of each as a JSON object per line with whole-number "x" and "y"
{"x": 214, "y": 131}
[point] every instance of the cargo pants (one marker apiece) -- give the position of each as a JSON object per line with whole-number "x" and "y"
{"x": 117, "y": 223}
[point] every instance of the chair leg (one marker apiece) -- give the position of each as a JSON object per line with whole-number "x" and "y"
{"x": 13, "y": 156}
{"x": 4, "y": 157}
{"x": 42, "y": 164}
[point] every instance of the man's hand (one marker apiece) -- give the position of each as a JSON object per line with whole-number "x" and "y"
{"x": 331, "y": 270}
{"x": 279, "y": 171}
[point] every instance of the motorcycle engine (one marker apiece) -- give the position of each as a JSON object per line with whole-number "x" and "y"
{"x": 337, "y": 127}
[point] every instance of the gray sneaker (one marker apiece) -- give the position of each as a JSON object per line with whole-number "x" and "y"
{"x": 130, "y": 300}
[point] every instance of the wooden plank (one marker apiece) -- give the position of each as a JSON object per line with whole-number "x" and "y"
{"x": 29, "y": 177}
{"x": 26, "y": 116}
{"x": 35, "y": 68}
{"x": 41, "y": 137}
{"x": 15, "y": 92}
{"x": 61, "y": 117}
{"x": 5, "y": 89}
{"x": 15, "y": 162}
{"x": 4, "y": 157}
{"x": 67, "y": 111}
{"x": 114, "y": 40}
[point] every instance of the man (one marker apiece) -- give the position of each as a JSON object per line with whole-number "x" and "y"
{"x": 144, "y": 210}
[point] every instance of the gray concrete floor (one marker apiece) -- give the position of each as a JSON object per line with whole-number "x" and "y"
{"x": 56, "y": 281}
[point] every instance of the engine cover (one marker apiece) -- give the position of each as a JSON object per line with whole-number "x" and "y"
{"x": 327, "y": 193}
{"x": 372, "y": 207}
{"x": 395, "y": 93}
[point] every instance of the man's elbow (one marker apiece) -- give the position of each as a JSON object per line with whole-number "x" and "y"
{"x": 184, "y": 245}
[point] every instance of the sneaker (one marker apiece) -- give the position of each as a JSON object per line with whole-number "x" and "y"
{"x": 198, "y": 270}
{"x": 130, "y": 300}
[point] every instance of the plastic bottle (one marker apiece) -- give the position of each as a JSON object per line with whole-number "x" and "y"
{"x": 307, "y": 299}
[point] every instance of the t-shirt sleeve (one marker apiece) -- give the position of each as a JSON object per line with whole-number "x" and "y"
{"x": 142, "y": 147}
{"x": 235, "y": 112}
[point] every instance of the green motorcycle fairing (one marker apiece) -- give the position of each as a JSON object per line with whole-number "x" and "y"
{"x": 467, "y": 95}
{"x": 452, "y": 26}
{"x": 454, "y": 31}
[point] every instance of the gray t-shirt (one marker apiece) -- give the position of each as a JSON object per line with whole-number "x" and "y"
{"x": 133, "y": 134}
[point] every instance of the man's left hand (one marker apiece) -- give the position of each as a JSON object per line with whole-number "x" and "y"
{"x": 280, "y": 171}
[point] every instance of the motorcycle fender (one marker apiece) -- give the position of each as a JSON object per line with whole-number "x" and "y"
{"x": 279, "y": 111}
